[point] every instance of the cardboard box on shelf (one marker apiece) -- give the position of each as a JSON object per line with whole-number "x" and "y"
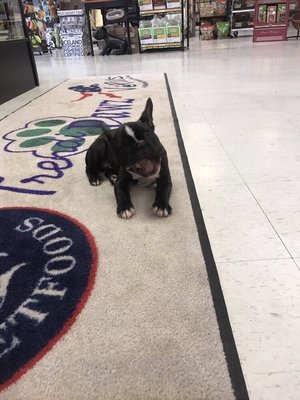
{"x": 146, "y": 35}
{"x": 145, "y": 5}
{"x": 159, "y": 4}
{"x": 173, "y": 4}
{"x": 173, "y": 34}
{"x": 159, "y": 34}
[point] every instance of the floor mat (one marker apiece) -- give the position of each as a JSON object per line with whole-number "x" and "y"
{"x": 93, "y": 306}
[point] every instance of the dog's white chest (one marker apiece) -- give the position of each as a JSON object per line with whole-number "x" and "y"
{"x": 143, "y": 180}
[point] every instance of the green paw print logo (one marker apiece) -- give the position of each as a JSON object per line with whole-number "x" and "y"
{"x": 64, "y": 136}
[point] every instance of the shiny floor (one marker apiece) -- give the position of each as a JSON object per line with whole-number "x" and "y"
{"x": 238, "y": 105}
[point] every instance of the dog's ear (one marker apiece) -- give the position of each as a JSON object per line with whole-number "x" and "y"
{"x": 147, "y": 115}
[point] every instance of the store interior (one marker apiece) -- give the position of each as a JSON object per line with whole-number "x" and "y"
{"x": 75, "y": 28}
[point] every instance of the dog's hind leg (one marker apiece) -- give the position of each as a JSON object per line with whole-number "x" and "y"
{"x": 104, "y": 49}
{"x": 93, "y": 164}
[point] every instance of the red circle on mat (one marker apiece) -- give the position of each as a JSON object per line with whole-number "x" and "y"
{"x": 39, "y": 250}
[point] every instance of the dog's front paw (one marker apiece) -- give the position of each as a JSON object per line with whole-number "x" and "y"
{"x": 162, "y": 210}
{"x": 95, "y": 179}
{"x": 113, "y": 179}
{"x": 126, "y": 214}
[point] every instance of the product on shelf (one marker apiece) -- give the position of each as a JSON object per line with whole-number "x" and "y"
{"x": 208, "y": 9}
{"x": 145, "y": 5}
{"x": 159, "y": 4}
{"x": 262, "y": 14}
{"x": 221, "y": 7}
{"x": 159, "y": 32}
{"x": 222, "y": 29}
{"x": 243, "y": 20}
{"x": 207, "y": 31}
{"x": 271, "y": 14}
{"x": 145, "y": 32}
{"x": 243, "y": 5}
{"x": 173, "y": 4}
{"x": 281, "y": 13}
{"x": 173, "y": 26}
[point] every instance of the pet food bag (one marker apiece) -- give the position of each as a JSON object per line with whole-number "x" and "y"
{"x": 145, "y": 32}
{"x": 159, "y": 30}
{"x": 207, "y": 31}
{"x": 222, "y": 29}
{"x": 173, "y": 28}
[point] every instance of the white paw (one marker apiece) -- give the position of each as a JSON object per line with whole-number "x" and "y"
{"x": 113, "y": 179}
{"x": 126, "y": 214}
{"x": 160, "y": 212}
{"x": 96, "y": 180}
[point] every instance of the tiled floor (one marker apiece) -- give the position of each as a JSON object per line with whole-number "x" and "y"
{"x": 239, "y": 110}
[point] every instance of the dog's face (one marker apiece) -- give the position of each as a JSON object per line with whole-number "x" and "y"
{"x": 137, "y": 147}
{"x": 100, "y": 34}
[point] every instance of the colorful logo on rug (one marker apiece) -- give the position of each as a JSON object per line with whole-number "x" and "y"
{"x": 54, "y": 142}
{"x": 111, "y": 84}
{"x": 47, "y": 269}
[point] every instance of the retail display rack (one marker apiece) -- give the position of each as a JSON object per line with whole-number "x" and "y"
{"x": 271, "y": 19}
{"x": 211, "y": 10}
{"x": 163, "y": 25}
{"x": 242, "y": 17}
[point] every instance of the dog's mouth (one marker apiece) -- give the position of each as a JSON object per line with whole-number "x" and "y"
{"x": 145, "y": 167}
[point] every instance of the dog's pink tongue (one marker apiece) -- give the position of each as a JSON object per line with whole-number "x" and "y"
{"x": 148, "y": 167}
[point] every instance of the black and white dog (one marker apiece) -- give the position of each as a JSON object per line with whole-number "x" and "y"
{"x": 128, "y": 154}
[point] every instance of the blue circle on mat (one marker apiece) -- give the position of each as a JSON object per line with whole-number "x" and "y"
{"x": 47, "y": 270}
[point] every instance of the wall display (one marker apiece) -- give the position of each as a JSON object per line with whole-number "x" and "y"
{"x": 271, "y": 20}
{"x": 72, "y": 24}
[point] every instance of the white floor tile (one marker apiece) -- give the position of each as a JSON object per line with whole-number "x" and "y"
{"x": 263, "y": 299}
{"x": 237, "y": 228}
{"x": 281, "y": 203}
{"x": 211, "y": 165}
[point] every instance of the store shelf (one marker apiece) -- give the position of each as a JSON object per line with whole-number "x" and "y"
{"x": 162, "y": 32}
{"x": 213, "y": 16}
{"x": 243, "y": 11}
{"x": 276, "y": 25}
{"x": 160, "y": 46}
{"x": 241, "y": 29}
{"x": 271, "y": 2}
{"x": 242, "y": 17}
{"x": 165, "y": 11}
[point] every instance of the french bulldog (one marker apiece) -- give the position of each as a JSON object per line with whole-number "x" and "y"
{"x": 129, "y": 154}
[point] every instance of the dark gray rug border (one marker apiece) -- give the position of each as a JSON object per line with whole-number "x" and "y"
{"x": 230, "y": 350}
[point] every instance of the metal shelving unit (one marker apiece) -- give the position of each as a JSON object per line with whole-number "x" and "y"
{"x": 184, "y": 29}
{"x": 235, "y": 29}
{"x": 213, "y": 17}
